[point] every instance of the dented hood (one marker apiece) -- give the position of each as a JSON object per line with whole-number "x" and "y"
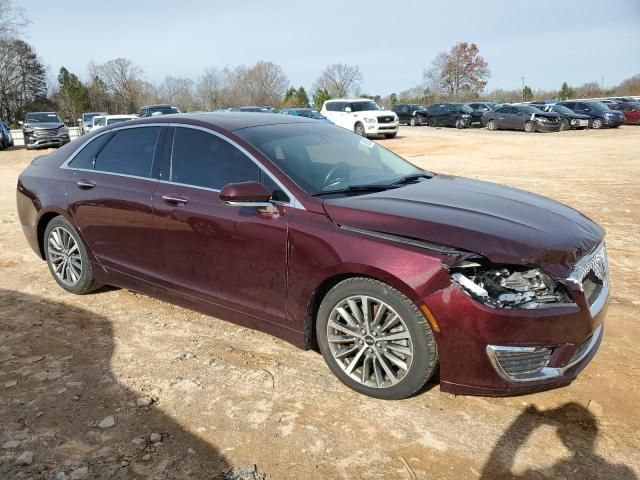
{"x": 504, "y": 224}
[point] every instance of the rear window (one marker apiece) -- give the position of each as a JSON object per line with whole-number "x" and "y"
{"x": 85, "y": 157}
{"x": 129, "y": 152}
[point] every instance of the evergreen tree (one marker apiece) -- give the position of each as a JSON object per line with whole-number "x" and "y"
{"x": 320, "y": 96}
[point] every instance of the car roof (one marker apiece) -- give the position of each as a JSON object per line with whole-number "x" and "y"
{"x": 158, "y": 105}
{"x": 227, "y": 120}
{"x": 350, "y": 100}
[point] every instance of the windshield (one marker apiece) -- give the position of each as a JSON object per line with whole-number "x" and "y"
{"x": 597, "y": 106}
{"x": 323, "y": 158}
{"x": 99, "y": 121}
{"x": 363, "y": 106}
{"x": 163, "y": 110}
{"x": 43, "y": 118}
{"x": 561, "y": 109}
{"x": 87, "y": 117}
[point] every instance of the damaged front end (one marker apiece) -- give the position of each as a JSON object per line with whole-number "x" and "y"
{"x": 509, "y": 286}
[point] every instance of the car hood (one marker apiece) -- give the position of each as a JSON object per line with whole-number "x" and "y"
{"x": 47, "y": 125}
{"x": 505, "y": 225}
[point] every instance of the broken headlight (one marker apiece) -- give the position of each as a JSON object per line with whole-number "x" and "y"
{"x": 510, "y": 287}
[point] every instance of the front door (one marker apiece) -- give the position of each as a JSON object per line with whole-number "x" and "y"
{"x": 110, "y": 199}
{"x": 227, "y": 255}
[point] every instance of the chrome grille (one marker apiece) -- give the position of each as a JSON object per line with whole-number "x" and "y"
{"x": 521, "y": 363}
{"x": 385, "y": 119}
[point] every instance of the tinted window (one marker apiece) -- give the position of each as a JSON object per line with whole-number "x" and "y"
{"x": 205, "y": 160}
{"x": 332, "y": 107}
{"x": 86, "y": 156}
{"x": 129, "y": 152}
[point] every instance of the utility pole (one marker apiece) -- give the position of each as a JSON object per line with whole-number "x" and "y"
{"x": 522, "y": 88}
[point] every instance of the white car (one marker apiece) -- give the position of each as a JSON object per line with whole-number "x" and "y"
{"x": 106, "y": 120}
{"x": 362, "y": 116}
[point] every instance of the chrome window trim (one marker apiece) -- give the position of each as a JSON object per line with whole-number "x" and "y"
{"x": 149, "y": 179}
{"x": 547, "y": 372}
{"x": 293, "y": 201}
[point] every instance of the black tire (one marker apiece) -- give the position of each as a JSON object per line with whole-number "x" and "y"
{"x": 359, "y": 129}
{"x": 86, "y": 282}
{"x": 413, "y": 122}
{"x": 529, "y": 127}
{"x": 597, "y": 123}
{"x": 424, "y": 356}
{"x": 460, "y": 123}
{"x": 491, "y": 125}
{"x": 432, "y": 122}
{"x": 390, "y": 135}
{"x": 564, "y": 125}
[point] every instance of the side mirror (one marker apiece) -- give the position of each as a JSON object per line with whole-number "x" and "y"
{"x": 247, "y": 194}
{"x": 347, "y": 109}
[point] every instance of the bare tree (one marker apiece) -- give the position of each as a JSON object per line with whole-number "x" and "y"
{"x": 123, "y": 80}
{"x": 339, "y": 79}
{"x": 266, "y": 83}
{"x": 210, "y": 89}
{"x": 178, "y": 91}
{"x": 459, "y": 72}
{"x": 12, "y": 19}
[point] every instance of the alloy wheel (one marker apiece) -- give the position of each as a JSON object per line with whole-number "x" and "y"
{"x": 359, "y": 129}
{"x": 369, "y": 341}
{"x": 64, "y": 256}
{"x": 596, "y": 123}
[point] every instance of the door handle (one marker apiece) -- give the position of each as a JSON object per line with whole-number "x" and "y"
{"x": 84, "y": 185}
{"x": 175, "y": 199}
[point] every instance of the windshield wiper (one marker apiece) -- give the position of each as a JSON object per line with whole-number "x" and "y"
{"x": 412, "y": 177}
{"x": 356, "y": 188}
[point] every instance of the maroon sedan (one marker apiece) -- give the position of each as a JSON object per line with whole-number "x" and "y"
{"x": 326, "y": 239}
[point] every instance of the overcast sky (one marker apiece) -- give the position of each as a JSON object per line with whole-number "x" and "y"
{"x": 547, "y": 42}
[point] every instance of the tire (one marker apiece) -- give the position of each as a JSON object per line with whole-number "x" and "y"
{"x": 357, "y": 360}
{"x": 390, "y": 135}
{"x": 413, "y": 122}
{"x": 491, "y": 125}
{"x": 432, "y": 122}
{"x": 529, "y": 127}
{"x": 564, "y": 125}
{"x": 359, "y": 129}
{"x": 67, "y": 258}
{"x": 460, "y": 123}
{"x": 597, "y": 123}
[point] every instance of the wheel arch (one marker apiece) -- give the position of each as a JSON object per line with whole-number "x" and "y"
{"x": 43, "y": 220}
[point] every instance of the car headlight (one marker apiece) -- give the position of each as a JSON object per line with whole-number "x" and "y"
{"x": 466, "y": 115}
{"x": 542, "y": 119}
{"x": 395, "y": 118}
{"x": 608, "y": 114}
{"x": 510, "y": 286}
{"x": 370, "y": 120}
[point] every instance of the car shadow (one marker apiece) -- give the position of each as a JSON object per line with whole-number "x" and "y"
{"x": 577, "y": 429}
{"x": 61, "y": 401}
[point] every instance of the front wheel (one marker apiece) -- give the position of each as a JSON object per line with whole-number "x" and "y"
{"x": 67, "y": 258}
{"x": 529, "y": 127}
{"x": 432, "y": 122}
{"x": 564, "y": 125}
{"x": 597, "y": 123}
{"x": 460, "y": 123}
{"x": 413, "y": 122}
{"x": 491, "y": 125}
{"x": 375, "y": 340}
{"x": 359, "y": 129}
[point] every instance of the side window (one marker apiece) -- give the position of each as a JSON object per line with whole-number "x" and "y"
{"x": 204, "y": 160}
{"x": 85, "y": 157}
{"x": 331, "y": 107}
{"x": 129, "y": 152}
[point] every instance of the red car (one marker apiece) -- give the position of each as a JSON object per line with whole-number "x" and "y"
{"x": 326, "y": 239}
{"x": 631, "y": 111}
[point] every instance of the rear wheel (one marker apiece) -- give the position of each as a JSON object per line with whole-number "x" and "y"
{"x": 432, "y": 122}
{"x": 564, "y": 124}
{"x": 491, "y": 125}
{"x": 375, "y": 340}
{"x": 359, "y": 129}
{"x": 597, "y": 123}
{"x": 529, "y": 127}
{"x": 67, "y": 258}
{"x": 413, "y": 122}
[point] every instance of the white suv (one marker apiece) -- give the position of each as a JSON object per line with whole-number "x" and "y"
{"x": 362, "y": 116}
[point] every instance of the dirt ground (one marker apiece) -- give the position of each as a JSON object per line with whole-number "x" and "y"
{"x": 226, "y": 397}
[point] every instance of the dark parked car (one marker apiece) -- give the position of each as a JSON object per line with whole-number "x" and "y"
{"x": 44, "y": 129}
{"x": 159, "y": 109}
{"x": 601, "y": 116}
{"x": 522, "y": 117}
{"x": 568, "y": 118}
{"x": 252, "y": 109}
{"x": 631, "y": 112}
{"x": 308, "y": 113}
{"x": 6, "y": 139}
{"x": 411, "y": 114}
{"x": 456, "y": 115}
{"x": 324, "y": 238}
{"x": 483, "y": 106}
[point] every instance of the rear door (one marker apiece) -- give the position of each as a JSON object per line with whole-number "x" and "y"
{"x": 230, "y": 256}
{"x": 110, "y": 199}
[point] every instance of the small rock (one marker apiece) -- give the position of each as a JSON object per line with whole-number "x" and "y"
{"x": 62, "y": 476}
{"x": 38, "y": 323}
{"x": 61, "y": 390}
{"x": 138, "y": 441}
{"x": 157, "y": 445}
{"x": 155, "y": 437}
{"x": 595, "y": 408}
{"x": 10, "y": 383}
{"x": 190, "y": 451}
{"x": 25, "y": 458}
{"x": 185, "y": 356}
{"x": 144, "y": 401}
{"x": 79, "y": 473}
{"x": 39, "y": 414}
{"x": 124, "y": 463}
{"x": 146, "y": 457}
{"x": 107, "y": 422}
{"x": 10, "y": 444}
{"x": 73, "y": 384}
{"x": 76, "y": 397}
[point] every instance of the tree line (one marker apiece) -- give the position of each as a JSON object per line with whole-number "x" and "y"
{"x": 119, "y": 85}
